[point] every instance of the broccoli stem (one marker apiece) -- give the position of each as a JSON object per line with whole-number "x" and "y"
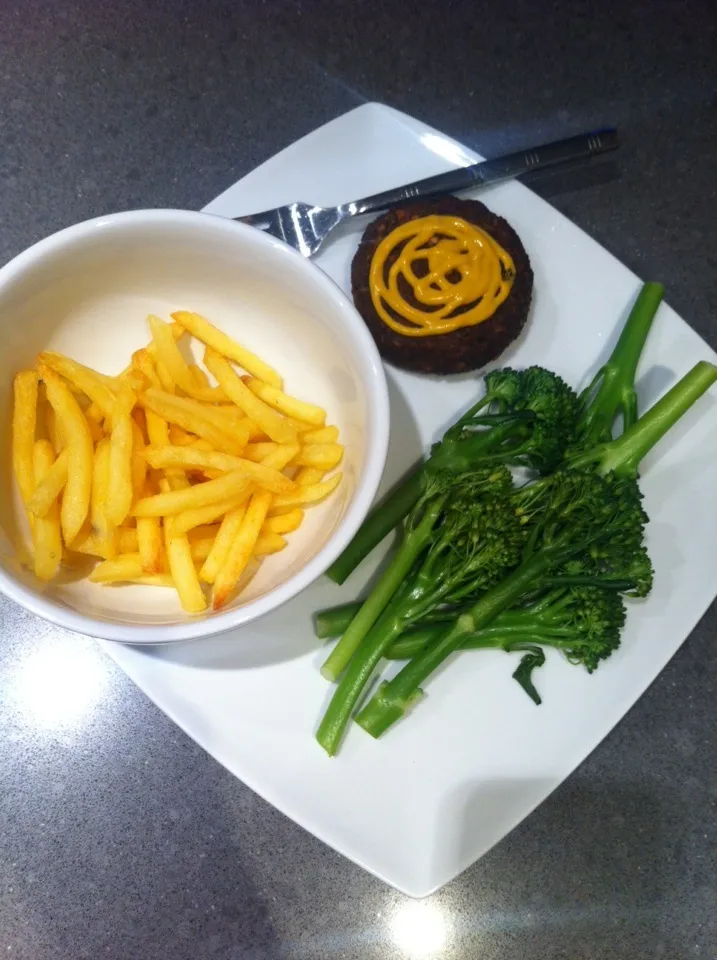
{"x": 394, "y": 698}
{"x": 414, "y": 541}
{"x": 612, "y": 390}
{"x": 335, "y": 620}
{"x": 622, "y": 456}
{"x": 378, "y": 524}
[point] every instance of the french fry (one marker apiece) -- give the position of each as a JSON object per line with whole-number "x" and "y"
{"x": 272, "y": 423}
{"x": 189, "y": 520}
{"x": 228, "y": 532}
{"x": 204, "y": 530}
{"x": 100, "y": 487}
{"x": 176, "y": 501}
{"x": 24, "y": 421}
{"x": 149, "y": 543}
{"x": 190, "y": 457}
{"x": 87, "y": 381}
{"x": 267, "y": 543}
{"x": 210, "y": 335}
{"x": 142, "y": 361}
{"x": 53, "y": 431}
{"x": 165, "y": 380}
{"x": 184, "y": 574}
{"x": 286, "y": 405}
{"x": 76, "y": 496}
{"x": 324, "y": 456}
{"x": 127, "y": 566}
{"x": 309, "y": 493}
{"x": 257, "y": 451}
{"x": 242, "y": 548}
{"x": 94, "y": 413}
{"x": 46, "y": 536}
{"x": 280, "y": 458}
{"x": 168, "y": 354}
{"x": 285, "y": 523}
{"x": 308, "y": 475}
{"x": 120, "y": 488}
{"x": 179, "y": 437}
{"x": 50, "y": 487}
{"x": 96, "y": 431}
{"x": 127, "y": 540}
{"x": 154, "y": 580}
{"x": 139, "y": 463}
{"x": 322, "y": 435}
{"x": 96, "y": 545}
{"x": 192, "y": 417}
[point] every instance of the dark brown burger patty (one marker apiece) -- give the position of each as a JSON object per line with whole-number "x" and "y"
{"x": 467, "y": 348}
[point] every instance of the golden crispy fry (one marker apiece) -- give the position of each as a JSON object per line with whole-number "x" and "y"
{"x": 154, "y": 580}
{"x": 308, "y": 475}
{"x": 142, "y": 361}
{"x": 204, "y": 530}
{"x": 81, "y": 377}
{"x": 309, "y": 493}
{"x": 222, "y": 544}
{"x": 127, "y": 566}
{"x": 181, "y": 567}
{"x": 322, "y": 435}
{"x": 203, "y": 330}
{"x": 176, "y": 501}
{"x": 286, "y": 405}
{"x": 96, "y": 431}
{"x": 257, "y": 451}
{"x": 127, "y": 540}
{"x": 50, "y": 487}
{"x": 46, "y": 537}
{"x": 179, "y": 437}
{"x": 169, "y": 355}
{"x": 96, "y": 545}
{"x": 242, "y": 548}
{"x": 53, "y": 430}
{"x": 76, "y": 496}
{"x": 189, "y": 520}
{"x": 120, "y": 489}
{"x": 139, "y": 464}
{"x": 272, "y": 423}
{"x": 24, "y": 419}
{"x": 94, "y": 414}
{"x": 267, "y": 543}
{"x": 164, "y": 377}
{"x": 279, "y": 458}
{"x": 324, "y": 456}
{"x": 192, "y": 417}
{"x": 285, "y": 523}
{"x": 149, "y": 542}
{"x": 100, "y": 487}
{"x": 190, "y": 457}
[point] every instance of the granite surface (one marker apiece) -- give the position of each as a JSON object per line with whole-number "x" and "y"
{"x": 119, "y": 837}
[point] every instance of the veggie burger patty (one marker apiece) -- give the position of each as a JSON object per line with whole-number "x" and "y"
{"x": 463, "y": 349}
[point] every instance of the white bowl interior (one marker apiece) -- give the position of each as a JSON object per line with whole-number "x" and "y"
{"x": 88, "y": 297}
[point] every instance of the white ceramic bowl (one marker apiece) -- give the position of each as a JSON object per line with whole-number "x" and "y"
{"x": 86, "y": 291}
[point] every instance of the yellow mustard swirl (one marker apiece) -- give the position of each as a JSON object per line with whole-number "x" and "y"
{"x": 465, "y": 276}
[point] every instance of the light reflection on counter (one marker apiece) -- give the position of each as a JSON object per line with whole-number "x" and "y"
{"x": 58, "y": 684}
{"x": 419, "y": 929}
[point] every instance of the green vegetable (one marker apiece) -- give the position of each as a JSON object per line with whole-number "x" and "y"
{"x": 612, "y": 391}
{"x": 525, "y": 418}
{"x": 584, "y": 527}
{"x": 473, "y": 538}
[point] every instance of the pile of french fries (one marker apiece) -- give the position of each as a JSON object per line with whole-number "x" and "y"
{"x": 164, "y": 478}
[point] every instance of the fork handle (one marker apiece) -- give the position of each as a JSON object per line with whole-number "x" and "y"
{"x": 491, "y": 171}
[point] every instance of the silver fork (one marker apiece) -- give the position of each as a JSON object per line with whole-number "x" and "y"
{"x": 306, "y": 226}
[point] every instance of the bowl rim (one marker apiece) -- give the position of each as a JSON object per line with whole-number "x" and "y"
{"x": 204, "y": 625}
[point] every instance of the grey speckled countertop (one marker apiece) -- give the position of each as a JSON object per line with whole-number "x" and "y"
{"x": 120, "y": 837}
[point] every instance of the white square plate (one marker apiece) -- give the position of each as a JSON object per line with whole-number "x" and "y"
{"x": 435, "y": 794}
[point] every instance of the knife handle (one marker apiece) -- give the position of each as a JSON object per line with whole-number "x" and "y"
{"x": 491, "y": 171}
